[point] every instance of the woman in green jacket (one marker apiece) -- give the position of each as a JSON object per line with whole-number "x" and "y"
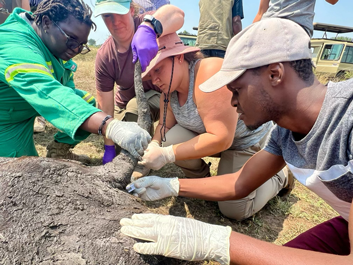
{"x": 36, "y": 78}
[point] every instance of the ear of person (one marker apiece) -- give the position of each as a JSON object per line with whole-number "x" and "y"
{"x": 181, "y": 58}
{"x": 276, "y": 72}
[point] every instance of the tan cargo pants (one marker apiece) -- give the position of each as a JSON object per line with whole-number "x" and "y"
{"x": 231, "y": 161}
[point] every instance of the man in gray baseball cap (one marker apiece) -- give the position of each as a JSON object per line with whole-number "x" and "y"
{"x": 268, "y": 69}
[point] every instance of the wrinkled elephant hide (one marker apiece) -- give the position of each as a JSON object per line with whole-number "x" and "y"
{"x": 62, "y": 212}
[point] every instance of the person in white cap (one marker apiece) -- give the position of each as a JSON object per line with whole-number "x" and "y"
{"x": 299, "y": 11}
{"x": 268, "y": 69}
{"x": 133, "y": 36}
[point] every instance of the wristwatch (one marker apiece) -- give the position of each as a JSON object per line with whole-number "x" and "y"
{"x": 157, "y": 25}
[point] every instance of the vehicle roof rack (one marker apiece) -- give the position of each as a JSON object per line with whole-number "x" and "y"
{"x": 331, "y": 28}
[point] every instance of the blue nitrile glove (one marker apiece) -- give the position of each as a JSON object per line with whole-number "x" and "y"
{"x": 109, "y": 153}
{"x": 144, "y": 46}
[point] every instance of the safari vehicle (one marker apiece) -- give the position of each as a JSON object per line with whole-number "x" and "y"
{"x": 332, "y": 56}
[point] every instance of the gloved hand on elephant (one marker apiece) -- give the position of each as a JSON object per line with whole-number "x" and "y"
{"x": 178, "y": 237}
{"x": 129, "y": 136}
{"x": 156, "y": 157}
{"x": 152, "y": 188}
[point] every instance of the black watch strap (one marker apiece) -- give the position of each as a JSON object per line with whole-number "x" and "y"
{"x": 156, "y": 24}
{"x": 103, "y": 123}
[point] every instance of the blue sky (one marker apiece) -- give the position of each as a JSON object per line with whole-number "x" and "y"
{"x": 339, "y": 14}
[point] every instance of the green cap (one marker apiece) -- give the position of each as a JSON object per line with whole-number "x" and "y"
{"x": 120, "y": 7}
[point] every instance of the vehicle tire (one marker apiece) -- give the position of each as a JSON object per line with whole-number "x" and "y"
{"x": 341, "y": 74}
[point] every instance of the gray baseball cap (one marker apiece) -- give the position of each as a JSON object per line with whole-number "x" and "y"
{"x": 271, "y": 40}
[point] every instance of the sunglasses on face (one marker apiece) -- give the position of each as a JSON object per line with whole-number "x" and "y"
{"x": 72, "y": 44}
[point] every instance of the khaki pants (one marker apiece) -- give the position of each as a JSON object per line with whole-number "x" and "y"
{"x": 231, "y": 161}
{"x": 3, "y": 16}
{"x": 130, "y": 112}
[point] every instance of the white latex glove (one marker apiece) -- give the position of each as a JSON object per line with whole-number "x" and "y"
{"x": 129, "y": 136}
{"x": 156, "y": 157}
{"x": 178, "y": 237}
{"x": 154, "y": 188}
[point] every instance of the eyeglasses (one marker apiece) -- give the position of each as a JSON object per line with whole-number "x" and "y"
{"x": 72, "y": 44}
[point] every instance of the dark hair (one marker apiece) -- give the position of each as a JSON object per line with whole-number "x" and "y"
{"x": 303, "y": 68}
{"x": 192, "y": 56}
{"x": 59, "y": 10}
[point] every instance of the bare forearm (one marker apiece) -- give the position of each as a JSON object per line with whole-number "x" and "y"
{"x": 237, "y": 185}
{"x": 203, "y": 145}
{"x": 93, "y": 123}
{"x": 237, "y": 25}
{"x": 105, "y": 101}
{"x": 171, "y": 17}
{"x": 257, "y": 18}
{"x": 264, "y": 4}
{"x": 218, "y": 188}
{"x": 249, "y": 251}
{"x": 25, "y": 5}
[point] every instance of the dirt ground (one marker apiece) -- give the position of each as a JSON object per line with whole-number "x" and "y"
{"x": 279, "y": 221}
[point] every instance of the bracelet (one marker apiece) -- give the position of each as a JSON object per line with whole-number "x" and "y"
{"x": 103, "y": 123}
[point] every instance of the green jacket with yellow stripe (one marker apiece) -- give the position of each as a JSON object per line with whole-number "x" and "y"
{"x": 33, "y": 82}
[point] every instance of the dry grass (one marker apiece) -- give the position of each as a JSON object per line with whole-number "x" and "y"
{"x": 279, "y": 221}
{"x": 325, "y": 78}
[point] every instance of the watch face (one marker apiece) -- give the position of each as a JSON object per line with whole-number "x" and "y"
{"x": 158, "y": 28}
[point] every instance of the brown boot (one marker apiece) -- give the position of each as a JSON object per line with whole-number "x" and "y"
{"x": 284, "y": 193}
{"x": 39, "y": 125}
{"x": 62, "y": 151}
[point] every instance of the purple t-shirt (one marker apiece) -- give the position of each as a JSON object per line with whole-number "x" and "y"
{"x": 114, "y": 67}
